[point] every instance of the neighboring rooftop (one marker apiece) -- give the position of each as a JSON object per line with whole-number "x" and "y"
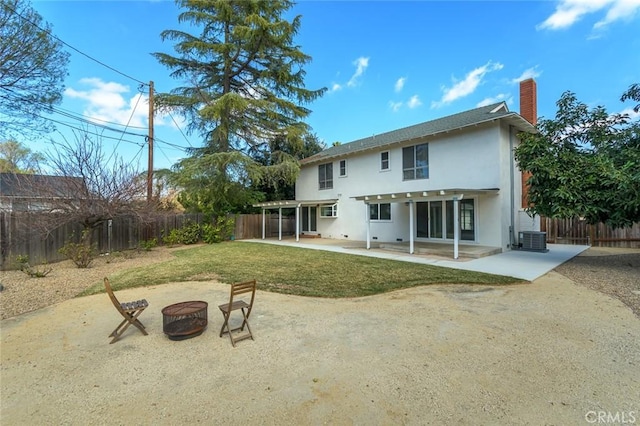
{"x": 429, "y": 128}
{"x": 35, "y": 186}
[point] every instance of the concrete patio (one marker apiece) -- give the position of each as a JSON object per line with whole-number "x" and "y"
{"x": 527, "y": 265}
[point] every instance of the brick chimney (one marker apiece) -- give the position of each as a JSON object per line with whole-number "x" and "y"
{"x": 528, "y": 111}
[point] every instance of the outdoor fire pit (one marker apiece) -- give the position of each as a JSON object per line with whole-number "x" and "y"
{"x": 185, "y": 319}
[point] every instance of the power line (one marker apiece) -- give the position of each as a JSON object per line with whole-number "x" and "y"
{"x": 73, "y": 48}
{"x": 123, "y": 132}
{"x": 88, "y": 118}
{"x": 179, "y": 129}
{"x": 19, "y": 101}
{"x": 67, "y": 113}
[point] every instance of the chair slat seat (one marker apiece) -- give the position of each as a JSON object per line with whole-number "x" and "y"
{"x": 129, "y": 310}
{"x": 238, "y": 305}
{"x": 134, "y": 306}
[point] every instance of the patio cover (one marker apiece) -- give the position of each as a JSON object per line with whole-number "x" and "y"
{"x": 289, "y": 204}
{"x": 454, "y": 194}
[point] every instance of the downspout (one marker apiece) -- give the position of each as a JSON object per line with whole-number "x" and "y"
{"x": 512, "y": 242}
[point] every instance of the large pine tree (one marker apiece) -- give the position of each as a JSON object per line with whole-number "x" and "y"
{"x": 243, "y": 86}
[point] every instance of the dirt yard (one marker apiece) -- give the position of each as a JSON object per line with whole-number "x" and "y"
{"x": 550, "y": 352}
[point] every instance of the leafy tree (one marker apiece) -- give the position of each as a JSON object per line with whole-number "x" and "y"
{"x": 632, "y": 93}
{"x": 33, "y": 67}
{"x": 243, "y": 86}
{"x": 584, "y": 163}
{"x": 279, "y": 151}
{"x": 17, "y": 158}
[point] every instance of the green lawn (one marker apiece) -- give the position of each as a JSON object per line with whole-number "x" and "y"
{"x": 293, "y": 270}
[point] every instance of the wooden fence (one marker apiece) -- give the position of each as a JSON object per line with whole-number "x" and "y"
{"x": 575, "y": 231}
{"x": 250, "y": 226}
{"x": 18, "y": 235}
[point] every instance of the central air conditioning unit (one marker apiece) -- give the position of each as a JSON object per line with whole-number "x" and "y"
{"x": 533, "y": 241}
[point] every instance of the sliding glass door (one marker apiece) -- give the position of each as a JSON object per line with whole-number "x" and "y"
{"x": 309, "y": 219}
{"x": 434, "y": 219}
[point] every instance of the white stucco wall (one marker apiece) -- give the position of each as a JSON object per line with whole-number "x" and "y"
{"x": 478, "y": 158}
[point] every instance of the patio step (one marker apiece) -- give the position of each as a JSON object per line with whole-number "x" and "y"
{"x": 472, "y": 252}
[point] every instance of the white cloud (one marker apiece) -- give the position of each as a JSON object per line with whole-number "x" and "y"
{"x": 400, "y": 84}
{"x": 467, "y": 86}
{"x": 526, "y": 74}
{"x": 498, "y": 98}
{"x": 361, "y": 65}
{"x": 568, "y": 12}
{"x": 631, "y": 113}
{"x": 335, "y": 87}
{"x": 395, "y": 106}
{"x": 414, "y": 102}
{"x": 106, "y": 102}
{"x": 621, "y": 9}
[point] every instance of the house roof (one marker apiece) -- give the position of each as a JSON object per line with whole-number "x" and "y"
{"x": 489, "y": 113}
{"x": 38, "y": 186}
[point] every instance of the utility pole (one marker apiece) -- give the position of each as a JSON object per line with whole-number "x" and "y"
{"x": 150, "y": 167}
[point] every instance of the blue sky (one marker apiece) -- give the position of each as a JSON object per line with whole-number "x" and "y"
{"x": 386, "y": 65}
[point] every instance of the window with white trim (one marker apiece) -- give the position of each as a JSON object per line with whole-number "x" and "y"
{"x": 380, "y": 212}
{"x": 343, "y": 168}
{"x": 415, "y": 162}
{"x": 325, "y": 176}
{"x": 329, "y": 211}
{"x": 384, "y": 160}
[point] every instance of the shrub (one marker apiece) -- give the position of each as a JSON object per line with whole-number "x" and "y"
{"x": 190, "y": 233}
{"x": 173, "y": 238}
{"x": 82, "y": 253}
{"x": 221, "y": 231}
{"x": 147, "y": 245}
{"x": 33, "y": 272}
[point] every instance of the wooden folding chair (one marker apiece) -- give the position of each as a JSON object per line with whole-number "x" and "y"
{"x": 129, "y": 310}
{"x": 234, "y": 305}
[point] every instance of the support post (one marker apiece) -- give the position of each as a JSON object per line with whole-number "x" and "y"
{"x": 298, "y": 223}
{"x": 411, "y": 205}
{"x": 279, "y": 223}
{"x": 264, "y": 221}
{"x": 366, "y": 205}
{"x": 456, "y": 224}
{"x": 456, "y": 227}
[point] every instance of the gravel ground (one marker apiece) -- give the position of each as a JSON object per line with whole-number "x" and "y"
{"x": 23, "y": 294}
{"x": 549, "y": 352}
{"x": 612, "y": 271}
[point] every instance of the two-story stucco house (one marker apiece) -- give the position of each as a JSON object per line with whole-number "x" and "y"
{"x": 451, "y": 180}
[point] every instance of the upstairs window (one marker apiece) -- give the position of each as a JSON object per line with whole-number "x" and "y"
{"x": 343, "y": 168}
{"x": 384, "y": 160}
{"x": 415, "y": 162}
{"x": 325, "y": 176}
